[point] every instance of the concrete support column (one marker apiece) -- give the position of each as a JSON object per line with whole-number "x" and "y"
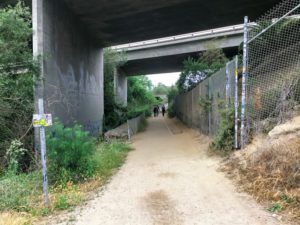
{"x": 120, "y": 86}
{"x": 71, "y": 66}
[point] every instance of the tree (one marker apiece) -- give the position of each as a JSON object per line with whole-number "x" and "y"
{"x": 17, "y": 72}
{"x": 139, "y": 91}
{"x": 6, "y": 3}
{"x": 196, "y": 70}
{"x": 160, "y": 89}
{"x": 114, "y": 114}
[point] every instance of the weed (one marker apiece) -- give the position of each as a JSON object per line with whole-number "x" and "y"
{"x": 275, "y": 208}
{"x": 20, "y": 192}
{"x": 62, "y": 202}
{"x": 110, "y": 157}
{"x": 286, "y": 198}
{"x": 224, "y": 138}
{"x": 14, "y": 154}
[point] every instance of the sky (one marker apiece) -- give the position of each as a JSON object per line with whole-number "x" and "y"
{"x": 167, "y": 79}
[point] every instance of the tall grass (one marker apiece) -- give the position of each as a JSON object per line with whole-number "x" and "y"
{"x": 23, "y": 192}
{"x": 20, "y": 192}
{"x": 109, "y": 157}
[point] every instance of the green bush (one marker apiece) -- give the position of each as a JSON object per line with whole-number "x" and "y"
{"x": 14, "y": 155}
{"x": 171, "y": 110}
{"x": 134, "y": 112}
{"x": 71, "y": 153}
{"x": 224, "y": 139}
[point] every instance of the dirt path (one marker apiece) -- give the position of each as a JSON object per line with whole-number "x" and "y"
{"x": 168, "y": 180}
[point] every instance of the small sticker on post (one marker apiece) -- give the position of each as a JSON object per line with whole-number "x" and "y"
{"x": 44, "y": 120}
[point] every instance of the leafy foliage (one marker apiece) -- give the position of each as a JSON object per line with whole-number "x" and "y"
{"x": 114, "y": 114}
{"x": 70, "y": 153}
{"x": 14, "y": 154}
{"x": 139, "y": 90}
{"x": 17, "y": 71}
{"x": 140, "y": 96}
{"x": 172, "y": 93}
{"x": 205, "y": 104}
{"x": 224, "y": 139}
{"x": 160, "y": 89}
{"x": 196, "y": 70}
{"x": 5, "y": 3}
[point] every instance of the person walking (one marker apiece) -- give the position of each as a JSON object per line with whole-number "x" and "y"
{"x": 163, "y": 110}
{"x": 155, "y": 111}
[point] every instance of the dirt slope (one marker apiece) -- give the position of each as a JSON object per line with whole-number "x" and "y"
{"x": 168, "y": 180}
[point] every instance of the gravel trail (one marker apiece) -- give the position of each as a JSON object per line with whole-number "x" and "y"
{"x": 168, "y": 180}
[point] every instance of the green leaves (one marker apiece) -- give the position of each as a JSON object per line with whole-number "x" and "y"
{"x": 17, "y": 69}
{"x": 70, "y": 151}
{"x": 15, "y": 36}
{"x": 139, "y": 91}
{"x": 196, "y": 70}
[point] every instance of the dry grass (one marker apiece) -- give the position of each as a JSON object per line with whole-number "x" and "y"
{"x": 272, "y": 174}
{"x": 9, "y": 218}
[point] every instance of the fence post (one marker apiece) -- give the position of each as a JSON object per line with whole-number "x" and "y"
{"x": 227, "y": 92}
{"x": 128, "y": 130}
{"x": 236, "y": 103}
{"x": 244, "y": 83}
{"x": 43, "y": 153}
{"x": 210, "y": 111}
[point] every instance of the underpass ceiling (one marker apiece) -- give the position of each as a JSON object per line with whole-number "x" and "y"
{"x": 112, "y": 22}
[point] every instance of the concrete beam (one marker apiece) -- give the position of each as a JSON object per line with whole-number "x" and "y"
{"x": 167, "y": 54}
{"x": 184, "y": 47}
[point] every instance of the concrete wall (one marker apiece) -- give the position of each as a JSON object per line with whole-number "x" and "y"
{"x": 72, "y": 66}
{"x": 120, "y": 86}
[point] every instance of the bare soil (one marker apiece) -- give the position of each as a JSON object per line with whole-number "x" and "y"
{"x": 169, "y": 180}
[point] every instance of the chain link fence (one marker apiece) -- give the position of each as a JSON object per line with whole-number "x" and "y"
{"x": 201, "y": 107}
{"x": 269, "y": 90}
{"x": 273, "y": 88}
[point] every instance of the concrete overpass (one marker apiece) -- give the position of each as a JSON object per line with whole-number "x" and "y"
{"x": 167, "y": 54}
{"x": 70, "y": 35}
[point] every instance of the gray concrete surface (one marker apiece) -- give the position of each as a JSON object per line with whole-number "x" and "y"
{"x": 72, "y": 66}
{"x": 120, "y": 86}
{"x": 168, "y": 56}
{"x": 124, "y": 21}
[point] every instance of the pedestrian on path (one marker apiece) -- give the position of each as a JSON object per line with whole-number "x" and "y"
{"x": 163, "y": 110}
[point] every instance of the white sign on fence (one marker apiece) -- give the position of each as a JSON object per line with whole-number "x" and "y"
{"x": 42, "y": 120}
